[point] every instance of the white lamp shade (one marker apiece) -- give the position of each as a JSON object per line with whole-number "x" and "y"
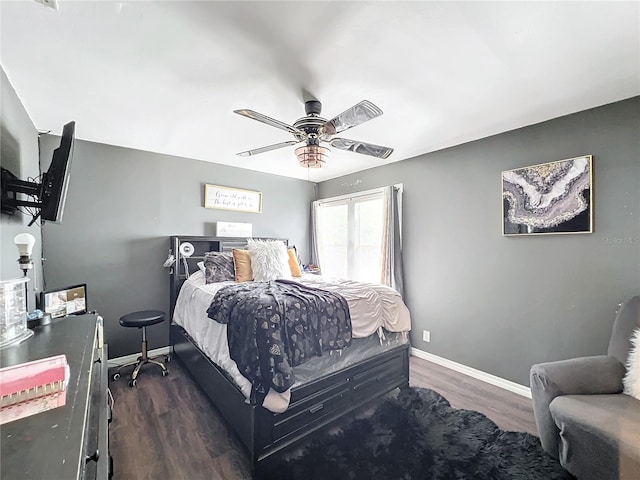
{"x": 25, "y": 243}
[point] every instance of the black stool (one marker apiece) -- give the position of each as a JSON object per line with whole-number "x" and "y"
{"x": 142, "y": 320}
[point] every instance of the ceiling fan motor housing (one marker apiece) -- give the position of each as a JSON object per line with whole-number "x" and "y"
{"x": 312, "y": 107}
{"x": 311, "y": 126}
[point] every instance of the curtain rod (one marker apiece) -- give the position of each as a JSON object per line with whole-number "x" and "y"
{"x": 350, "y": 196}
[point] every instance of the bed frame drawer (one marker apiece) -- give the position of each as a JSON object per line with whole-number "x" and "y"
{"x": 312, "y": 410}
{"x": 313, "y": 396}
{"x": 315, "y": 404}
{"x": 388, "y": 371}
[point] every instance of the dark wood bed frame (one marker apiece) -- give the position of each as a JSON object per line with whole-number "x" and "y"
{"x": 313, "y": 405}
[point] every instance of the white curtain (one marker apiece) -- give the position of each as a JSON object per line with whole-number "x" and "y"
{"x": 391, "y": 259}
{"x": 315, "y": 257}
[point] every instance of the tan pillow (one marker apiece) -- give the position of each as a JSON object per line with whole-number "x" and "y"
{"x": 242, "y": 265}
{"x": 293, "y": 263}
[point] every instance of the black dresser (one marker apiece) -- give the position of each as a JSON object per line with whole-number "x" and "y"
{"x": 72, "y": 441}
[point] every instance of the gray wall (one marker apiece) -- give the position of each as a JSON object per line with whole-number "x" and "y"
{"x": 500, "y": 304}
{"x": 18, "y": 154}
{"x": 122, "y": 206}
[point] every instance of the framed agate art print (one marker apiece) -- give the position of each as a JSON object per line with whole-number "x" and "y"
{"x": 554, "y": 197}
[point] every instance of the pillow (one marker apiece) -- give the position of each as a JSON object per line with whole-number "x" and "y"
{"x": 201, "y": 267}
{"x": 218, "y": 267}
{"x": 294, "y": 265}
{"x": 631, "y": 380}
{"x": 197, "y": 277}
{"x": 269, "y": 260}
{"x": 242, "y": 265}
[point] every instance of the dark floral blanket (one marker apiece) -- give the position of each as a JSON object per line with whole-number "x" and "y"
{"x": 274, "y": 326}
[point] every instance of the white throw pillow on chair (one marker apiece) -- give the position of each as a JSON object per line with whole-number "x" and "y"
{"x": 631, "y": 380}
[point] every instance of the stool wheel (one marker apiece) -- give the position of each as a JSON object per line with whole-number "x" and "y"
{"x": 165, "y": 373}
{"x": 132, "y": 383}
{"x": 167, "y": 358}
{"x": 116, "y": 376}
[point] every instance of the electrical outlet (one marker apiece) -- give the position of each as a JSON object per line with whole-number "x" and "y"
{"x": 426, "y": 335}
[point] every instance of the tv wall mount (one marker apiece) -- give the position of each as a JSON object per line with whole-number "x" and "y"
{"x": 12, "y": 186}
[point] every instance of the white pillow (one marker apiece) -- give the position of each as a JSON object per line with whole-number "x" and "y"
{"x": 631, "y": 380}
{"x": 197, "y": 278}
{"x": 269, "y": 260}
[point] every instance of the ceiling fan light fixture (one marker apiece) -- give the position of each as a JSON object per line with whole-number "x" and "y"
{"x": 312, "y": 156}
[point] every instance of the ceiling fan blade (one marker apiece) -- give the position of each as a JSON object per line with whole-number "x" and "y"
{"x": 268, "y": 148}
{"x": 359, "y": 113}
{"x": 268, "y": 120}
{"x": 361, "y": 147}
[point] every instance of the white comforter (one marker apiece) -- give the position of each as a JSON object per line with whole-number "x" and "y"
{"x": 372, "y": 307}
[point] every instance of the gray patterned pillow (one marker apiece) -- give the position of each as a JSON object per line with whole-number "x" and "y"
{"x": 218, "y": 267}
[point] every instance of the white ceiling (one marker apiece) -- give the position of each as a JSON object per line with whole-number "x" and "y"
{"x": 166, "y": 76}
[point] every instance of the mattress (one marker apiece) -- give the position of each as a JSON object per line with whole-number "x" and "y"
{"x": 380, "y": 321}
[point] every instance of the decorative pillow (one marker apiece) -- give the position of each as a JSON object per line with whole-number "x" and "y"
{"x": 218, "y": 267}
{"x": 242, "y": 265}
{"x": 631, "y": 380}
{"x": 269, "y": 260}
{"x": 294, "y": 265}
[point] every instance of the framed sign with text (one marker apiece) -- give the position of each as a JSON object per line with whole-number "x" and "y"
{"x": 226, "y": 198}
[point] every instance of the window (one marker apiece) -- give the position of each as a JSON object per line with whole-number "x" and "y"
{"x": 349, "y": 236}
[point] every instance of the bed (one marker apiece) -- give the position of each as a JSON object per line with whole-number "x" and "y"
{"x": 324, "y": 389}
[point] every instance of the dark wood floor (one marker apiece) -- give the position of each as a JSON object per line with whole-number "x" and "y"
{"x": 508, "y": 410}
{"x": 165, "y": 428}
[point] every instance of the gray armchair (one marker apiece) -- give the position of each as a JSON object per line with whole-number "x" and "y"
{"x": 582, "y": 415}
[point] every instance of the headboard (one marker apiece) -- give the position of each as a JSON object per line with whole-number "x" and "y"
{"x": 184, "y": 266}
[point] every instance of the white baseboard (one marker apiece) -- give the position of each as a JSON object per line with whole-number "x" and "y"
{"x": 472, "y": 372}
{"x": 116, "y": 362}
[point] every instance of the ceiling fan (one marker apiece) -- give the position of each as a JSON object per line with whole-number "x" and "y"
{"x": 313, "y": 129}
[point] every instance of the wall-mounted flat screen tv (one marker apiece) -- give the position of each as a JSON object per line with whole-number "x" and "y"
{"x": 44, "y": 198}
{"x": 55, "y": 182}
